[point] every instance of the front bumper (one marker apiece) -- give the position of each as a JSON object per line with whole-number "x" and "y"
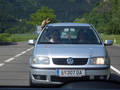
{"x": 49, "y": 75}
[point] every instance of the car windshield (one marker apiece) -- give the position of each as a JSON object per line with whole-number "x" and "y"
{"x": 69, "y": 35}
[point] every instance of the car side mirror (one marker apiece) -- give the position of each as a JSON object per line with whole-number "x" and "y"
{"x": 31, "y": 42}
{"x": 108, "y": 42}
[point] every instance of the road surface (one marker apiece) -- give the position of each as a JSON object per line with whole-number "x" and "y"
{"x": 14, "y": 67}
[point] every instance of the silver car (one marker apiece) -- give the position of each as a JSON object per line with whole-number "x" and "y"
{"x": 67, "y": 52}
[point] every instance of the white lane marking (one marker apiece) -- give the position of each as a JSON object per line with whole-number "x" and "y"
{"x": 114, "y": 69}
{"x": 2, "y": 64}
{"x": 29, "y": 49}
{"x": 23, "y": 52}
{"x": 18, "y": 55}
{"x": 10, "y": 59}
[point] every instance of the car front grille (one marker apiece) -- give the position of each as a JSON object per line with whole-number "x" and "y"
{"x": 63, "y": 61}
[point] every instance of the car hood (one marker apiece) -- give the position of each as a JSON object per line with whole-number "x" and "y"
{"x": 70, "y": 50}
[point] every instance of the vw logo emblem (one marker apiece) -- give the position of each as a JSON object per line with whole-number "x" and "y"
{"x": 70, "y": 61}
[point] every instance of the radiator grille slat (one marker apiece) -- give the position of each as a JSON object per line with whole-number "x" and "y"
{"x": 63, "y": 61}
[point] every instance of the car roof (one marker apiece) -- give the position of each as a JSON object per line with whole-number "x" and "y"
{"x": 68, "y": 24}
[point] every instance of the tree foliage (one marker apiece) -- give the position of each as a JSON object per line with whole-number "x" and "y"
{"x": 105, "y": 17}
{"x": 14, "y": 13}
{"x": 41, "y": 14}
{"x": 4, "y": 37}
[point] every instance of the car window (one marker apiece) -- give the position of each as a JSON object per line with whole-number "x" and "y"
{"x": 69, "y": 35}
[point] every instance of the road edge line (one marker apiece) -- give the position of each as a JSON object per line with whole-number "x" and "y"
{"x": 114, "y": 69}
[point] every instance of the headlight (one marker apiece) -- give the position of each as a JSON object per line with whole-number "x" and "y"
{"x": 98, "y": 61}
{"x": 41, "y": 60}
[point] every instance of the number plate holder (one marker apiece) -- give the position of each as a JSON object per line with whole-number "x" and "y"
{"x": 70, "y": 72}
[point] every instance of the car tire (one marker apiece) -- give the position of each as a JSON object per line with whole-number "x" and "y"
{"x": 108, "y": 77}
{"x": 30, "y": 83}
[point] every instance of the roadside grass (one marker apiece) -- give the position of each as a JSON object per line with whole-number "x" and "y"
{"x": 115, "y": 38}
{"x": 22, "y": 37}
{"x": 26, "y": 37}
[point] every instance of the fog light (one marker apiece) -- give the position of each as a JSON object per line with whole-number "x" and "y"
{"x": 40, "y": 77}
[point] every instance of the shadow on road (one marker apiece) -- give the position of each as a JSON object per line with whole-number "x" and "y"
{"x": 113, "y": 83}
{"x": 7, "y": 43}
{"x": 93, "y": 84}
{"x": 115, "y": 78}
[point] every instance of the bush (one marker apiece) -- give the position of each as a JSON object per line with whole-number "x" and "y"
{"x": 4, "y": 37}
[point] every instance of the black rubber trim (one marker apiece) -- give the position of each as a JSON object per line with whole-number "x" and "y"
{"x": 101, "y": 68}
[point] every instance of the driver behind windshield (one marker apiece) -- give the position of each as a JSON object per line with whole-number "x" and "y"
{"x": 54, "y": 37}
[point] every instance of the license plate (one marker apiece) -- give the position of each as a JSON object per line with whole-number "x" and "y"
{"x": 70, "y": 73}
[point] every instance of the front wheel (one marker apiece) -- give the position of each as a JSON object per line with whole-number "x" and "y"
{"x": 108, "y": 77}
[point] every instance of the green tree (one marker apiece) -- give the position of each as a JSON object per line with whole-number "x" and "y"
{"x": 40, "y": 15}
{"x": 105, "y": 17}
{"x": 80, "y": 20}
{"x": 115, "y": 21}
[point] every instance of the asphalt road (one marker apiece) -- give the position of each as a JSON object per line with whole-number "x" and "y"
{"x": 14, "y": 68}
